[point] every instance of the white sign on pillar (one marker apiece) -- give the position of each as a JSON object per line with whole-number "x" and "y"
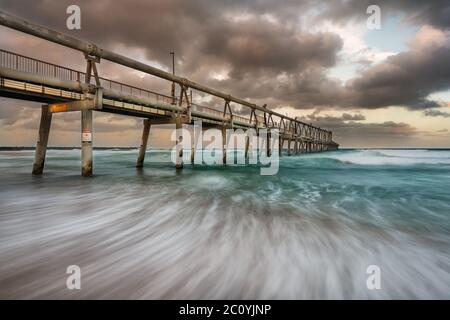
{"x": 86, "y": 136}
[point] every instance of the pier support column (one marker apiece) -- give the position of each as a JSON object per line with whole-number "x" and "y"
{"x": 224, "y": 145}
{"x": 280, "y": 146}
{"x": 269, "y": 144}
{"x": 197, "y": 143}
{"x": 41, "y": 145}
{"x": 86, "y": 143}
{"x": 144, "y": 141}
{"x": 247, "y": 145}
{"x": 179, "y": 146}
{"x": 295, "y": 146}
{"x": 193, "y": 149}
{"x": 289, "y": 147}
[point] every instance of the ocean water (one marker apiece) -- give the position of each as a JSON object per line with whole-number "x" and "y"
{"x": 226, "y": 232}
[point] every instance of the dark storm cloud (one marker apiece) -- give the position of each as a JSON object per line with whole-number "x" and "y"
{"x": 435, "y": 13}
{"x": 259, "y": 47}
{"x": 193, "y": 29}
{"x": 436, "y": 113}
{"x": 405, "y": 79}
{"x": 354, "y": 117}
{"x": 159, "y": 26}
{"x": 310, "y": 88}
{"x": 347, "y": 126}
{"x": 206, "y": 35}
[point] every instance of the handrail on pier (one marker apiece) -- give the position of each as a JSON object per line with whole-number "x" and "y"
{"x": 93, "y": 50}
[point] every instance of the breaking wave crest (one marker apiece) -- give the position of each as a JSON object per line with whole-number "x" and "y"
{"x": 391, "y": 157}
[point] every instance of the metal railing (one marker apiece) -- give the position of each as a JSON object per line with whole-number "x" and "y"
{"x": 92, "y": 50}
{"x": 26, "y": 64}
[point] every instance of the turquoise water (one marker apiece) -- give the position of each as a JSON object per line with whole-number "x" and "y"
{"x": 223, "y": 232}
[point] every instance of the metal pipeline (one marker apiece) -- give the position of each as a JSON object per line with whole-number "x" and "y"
{"x": 89, "y": 48}
{"x": 80, "y": 87}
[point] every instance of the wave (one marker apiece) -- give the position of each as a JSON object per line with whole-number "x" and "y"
{"x": 225, "y": 232}
{"x": 390, "y": 157}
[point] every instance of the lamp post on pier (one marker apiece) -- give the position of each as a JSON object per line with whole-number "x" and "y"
{"x": 173, "y": 72}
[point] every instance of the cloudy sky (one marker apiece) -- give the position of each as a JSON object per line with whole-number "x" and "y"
{"x": 387, "y": 87}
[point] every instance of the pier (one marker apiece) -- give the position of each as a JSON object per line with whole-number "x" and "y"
{"x": 61, "y": 89}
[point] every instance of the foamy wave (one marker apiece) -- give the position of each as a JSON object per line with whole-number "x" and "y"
{"x": 225, "y": 232}
{"x": 391, "y": 157}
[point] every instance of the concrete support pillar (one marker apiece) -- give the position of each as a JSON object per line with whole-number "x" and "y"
{"x": 41, "y": 145}
{"x": 144, "y": 141}
{"x": 295, "y": 146}
{"x": 289, "y": 147}
{"x": 86, "y": 143}
{"x": 193, "y": 149}
{"x": 247, "y": 145}
{"x": 197, "y": 143}
{"x": 280, "y": 146}
{"x": 179, "y": 146}
{"x": 224, "y": 145}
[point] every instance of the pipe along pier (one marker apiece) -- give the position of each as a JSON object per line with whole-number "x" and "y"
{"x": 62, "y": 89}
